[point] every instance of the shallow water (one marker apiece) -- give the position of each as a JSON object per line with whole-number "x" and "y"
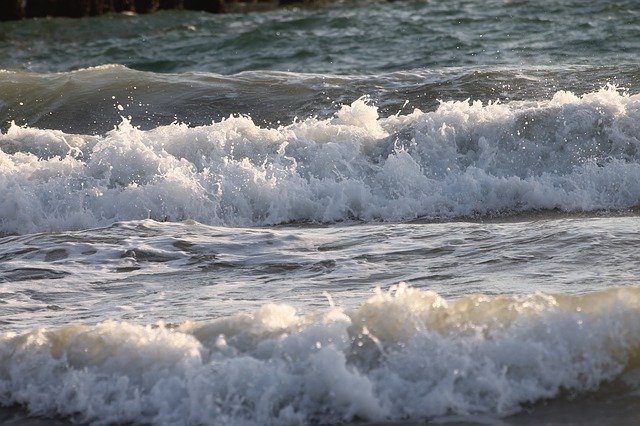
{"x": 180, "y": 271}
{"x": 373, "y": 213}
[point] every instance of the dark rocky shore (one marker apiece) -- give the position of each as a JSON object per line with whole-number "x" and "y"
{"x": 20, "y": 9}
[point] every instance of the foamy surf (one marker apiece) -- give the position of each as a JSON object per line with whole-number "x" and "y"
{"x": 403, "y": 354}
{"x": 169, "y": 267}
{"x": 465, "y": 159}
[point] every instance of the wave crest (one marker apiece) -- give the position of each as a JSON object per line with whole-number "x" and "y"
{"x": 404, "y": 354}
{"x": 573, "y": 153}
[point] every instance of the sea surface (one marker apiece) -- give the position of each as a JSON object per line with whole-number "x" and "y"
{"x": 369, "y": 213}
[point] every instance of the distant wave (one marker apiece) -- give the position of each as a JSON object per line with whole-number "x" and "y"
{"x": 572, "y": 153}
{"x": 405, "y": 354}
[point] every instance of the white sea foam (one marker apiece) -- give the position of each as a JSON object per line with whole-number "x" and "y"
{"x": 405, "y": 354}
{"x": 466, "y": 158}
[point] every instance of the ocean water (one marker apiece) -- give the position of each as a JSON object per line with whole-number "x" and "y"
{"x": 368, "y": 213}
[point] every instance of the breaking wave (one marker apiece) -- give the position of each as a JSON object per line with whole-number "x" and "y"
{"x": 572, "y": 153}
{"x": 403, "y": 354}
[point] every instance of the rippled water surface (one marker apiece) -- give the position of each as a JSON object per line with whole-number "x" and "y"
{"x": 174, "y": 272}
{"x": 370, "y": 212}
{"x": 361, "y": 38}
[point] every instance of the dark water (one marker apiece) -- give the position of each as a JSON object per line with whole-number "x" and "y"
{"x": 372, "y": 212}
{"x": 86, "y": 101}
{"x": 360, "y": 38}
{"x": 418, "y": 51}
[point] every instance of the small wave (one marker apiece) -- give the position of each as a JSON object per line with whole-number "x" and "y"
{"x": 571, "y": 153}
{"x": 403, "y": 354}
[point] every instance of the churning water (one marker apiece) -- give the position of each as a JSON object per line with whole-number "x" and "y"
{"x": 372, "y": 212}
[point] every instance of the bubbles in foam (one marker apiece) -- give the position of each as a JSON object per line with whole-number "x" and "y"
{"x": 403, "y": 354}
{"x": 466, "y": 158}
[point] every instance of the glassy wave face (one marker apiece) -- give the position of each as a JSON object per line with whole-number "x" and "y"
{"x": 403, "y": 354}
{"x": 464, "y": 159}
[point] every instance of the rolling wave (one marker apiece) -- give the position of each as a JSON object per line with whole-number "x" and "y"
{"x": 86, "y": 100}
{"x": 403, "y": 354}
{"x": 465, "y": 159}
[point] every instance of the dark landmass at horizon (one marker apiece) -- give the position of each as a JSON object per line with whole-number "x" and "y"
{"x": 21, "y": 9}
